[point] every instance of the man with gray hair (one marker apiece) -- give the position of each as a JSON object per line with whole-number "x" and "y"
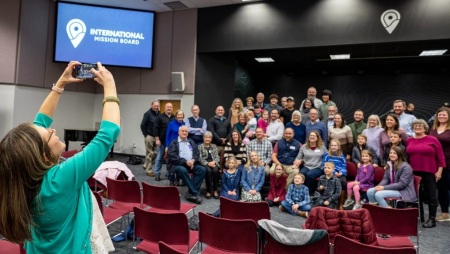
{"x": 312, "y": 93}
{"x": 196, "y": 125}
{"x": 147, "y": 128}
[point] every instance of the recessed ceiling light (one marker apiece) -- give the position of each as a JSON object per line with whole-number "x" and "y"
{"x": 437, "y": 52}
{"x": 264, "y": 59}
{"x": 338, "y": 57}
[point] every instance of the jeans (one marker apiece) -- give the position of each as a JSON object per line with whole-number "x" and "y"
{"x": 195, "y": 183}
{"x": 159, "y": 159}
{"x": 288, "y": 207}
{"x": 311, "y": 175}
{"x": 379, "y": 196}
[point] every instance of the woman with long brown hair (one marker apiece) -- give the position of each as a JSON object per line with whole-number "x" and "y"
{"x": 47, "y": 204}
{"x": 441, "y": 131}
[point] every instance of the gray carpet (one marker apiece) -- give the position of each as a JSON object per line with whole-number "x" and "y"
{"x": 432, "y": 241}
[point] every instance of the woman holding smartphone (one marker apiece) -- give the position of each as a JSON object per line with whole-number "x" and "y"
{"x": 47, "y": 204}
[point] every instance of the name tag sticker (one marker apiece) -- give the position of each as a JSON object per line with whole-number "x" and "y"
{"x": 292, "y": 147}
{"x": 317, "y": 150}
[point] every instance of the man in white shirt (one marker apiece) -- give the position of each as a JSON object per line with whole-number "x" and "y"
{"x": 275, "y": 129}
{"x": 404, "y": 119}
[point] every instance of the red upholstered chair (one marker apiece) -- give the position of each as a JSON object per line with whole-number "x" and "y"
{"x": 171, "y": 228}
{"x": 68, "y": 154}
{"x": 236, "y": 210}
{"x": 352, "y": 171}
{"x": 417, "y": 180}
{"x": 126, "y": 194}
{"x": 378, "y": 175}
{"x": 11, "y": 248}
{"x": 399, "y": 224}
{"x": 164, "y": 198}
{"x": 355, "y": 224}
{"x": 344, "y": 245}
{"x": 110, "y": 215}
{"x": 167, "y": 249}
{"x": 270, "y": 245}
{"x": 227, "y": 236}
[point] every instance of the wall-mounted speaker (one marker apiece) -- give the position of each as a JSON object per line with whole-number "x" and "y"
{"x": 177, "y": 81}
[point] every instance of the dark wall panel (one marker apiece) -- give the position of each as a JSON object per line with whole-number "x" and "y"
{"x": 373, "y": 93}
{"x": 306, "y": 23}
{"x": 214, "y": 82}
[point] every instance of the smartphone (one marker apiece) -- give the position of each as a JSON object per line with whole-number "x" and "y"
{"x": 84, "y": 71}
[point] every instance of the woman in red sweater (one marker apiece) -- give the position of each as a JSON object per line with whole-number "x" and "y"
{"x": 427, "y": 160}
{"x": 441, "y": 130}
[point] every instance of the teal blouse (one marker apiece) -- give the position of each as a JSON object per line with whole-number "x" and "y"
{"x": 63, "y": 214}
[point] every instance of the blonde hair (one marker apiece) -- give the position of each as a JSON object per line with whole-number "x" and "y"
{"x": 339, "y": 151}
{"x": 329, "y": 163}
{"x": 376, "y": 117}
{"x": 231, "y": 158}
{"x": 249, "y": 161}
{"x": 301, "y": 175}
{"x": 237, "y": 101}
{"x": 368, "y": 152}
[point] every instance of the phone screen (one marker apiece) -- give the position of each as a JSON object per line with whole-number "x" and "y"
{"x": 84, "y": 71}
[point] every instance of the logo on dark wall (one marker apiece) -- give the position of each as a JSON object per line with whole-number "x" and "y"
{"x": 390, "y": 20}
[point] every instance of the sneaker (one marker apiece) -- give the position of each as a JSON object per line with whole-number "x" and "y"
{"x": 348, "y": 202}
{"x": 356, "y": 207}
{"x": 151, "y": 174}
{"x": 443, "y": 217}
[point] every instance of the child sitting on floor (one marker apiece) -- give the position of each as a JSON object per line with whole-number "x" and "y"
{"x": 277, "y": 191}
{"x": 297, "y": 200}
{"x": 329, "y": 188}
{"x": 363, "y": 180}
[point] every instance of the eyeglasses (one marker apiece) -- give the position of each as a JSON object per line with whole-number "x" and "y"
{"x": 418, "y": 126}
{"x": 51, "y": 130}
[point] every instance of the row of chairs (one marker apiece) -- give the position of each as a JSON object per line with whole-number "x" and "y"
{"x": 241, "y": 235}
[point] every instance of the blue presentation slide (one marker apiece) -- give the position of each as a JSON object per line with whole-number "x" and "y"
{"x": 91, "y": 34}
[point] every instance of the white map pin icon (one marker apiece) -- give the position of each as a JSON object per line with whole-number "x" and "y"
{"x": 390, "y": 20}
{"x": 76, "y": 29}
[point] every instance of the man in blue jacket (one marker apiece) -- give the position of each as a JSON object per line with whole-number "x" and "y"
{"x": 184, "y": 158}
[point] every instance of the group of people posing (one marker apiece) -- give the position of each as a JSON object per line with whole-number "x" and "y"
{"x": 293, "y": 148}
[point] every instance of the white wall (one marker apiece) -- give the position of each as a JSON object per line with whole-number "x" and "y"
{"x": 6, "y": 108}
{"x": 82, "y": 111}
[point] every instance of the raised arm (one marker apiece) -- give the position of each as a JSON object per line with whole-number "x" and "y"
{"x": 48, "y": 107}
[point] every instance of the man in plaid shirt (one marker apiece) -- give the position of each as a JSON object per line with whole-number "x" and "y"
{"x": 263, "y": 147}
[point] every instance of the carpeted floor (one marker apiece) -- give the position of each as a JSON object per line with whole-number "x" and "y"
{"x": 432, "y": 241}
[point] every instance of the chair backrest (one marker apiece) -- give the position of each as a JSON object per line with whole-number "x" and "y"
{"x": 161, "y": 197}
{"x": 99, "y": 201}
{"x": 378, "y": 175}
{"x": 237, "y": 210}
{"x": 68, "y": 154}
{"x": 124, "y": 191}
{"x": 164, "y": 248}
{"x": 271, "y": 246}
{"x": 228, "y": 235}
{"x": 352, "y": 170}
{"x": 355, "y": 224}
{"x": 344, "y": 245}
{"x": 154, "y": 226}
{"x": 394, "y": 221}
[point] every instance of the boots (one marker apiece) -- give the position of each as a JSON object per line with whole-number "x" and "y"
{"x": 342, "y": 199}
{"x": 431, "y": 223}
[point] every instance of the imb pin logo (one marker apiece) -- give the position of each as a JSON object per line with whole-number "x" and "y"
{"x": 76, "y": 29}
{"x": 390, "y": 20}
